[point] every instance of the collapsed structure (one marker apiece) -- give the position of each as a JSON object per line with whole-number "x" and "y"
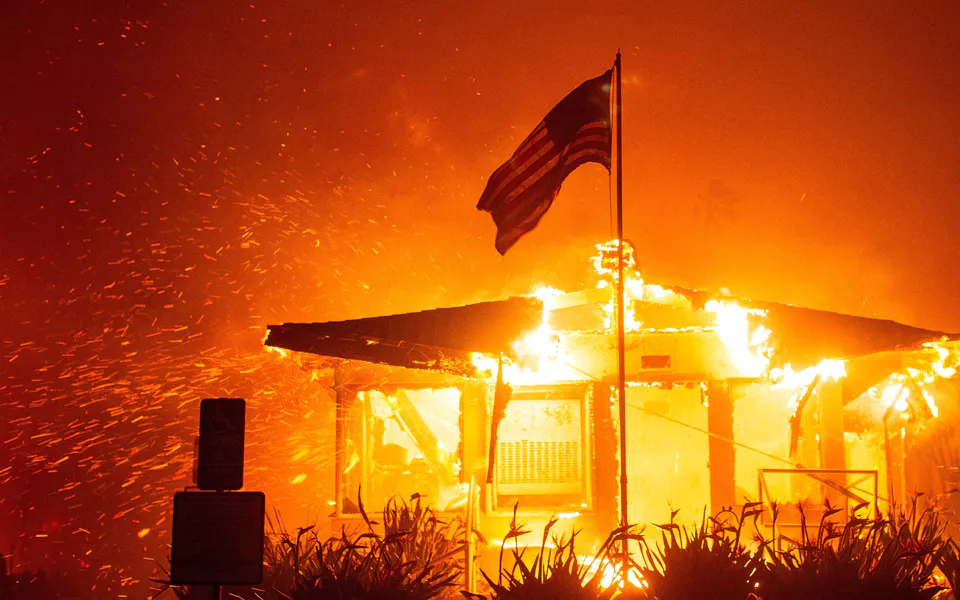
{"x": 507, "y": 405}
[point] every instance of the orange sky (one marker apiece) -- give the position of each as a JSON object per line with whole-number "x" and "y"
{"x": 800, "y": 152}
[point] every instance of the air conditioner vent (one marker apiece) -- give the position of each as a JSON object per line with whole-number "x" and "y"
{"x": 539, "y": 462}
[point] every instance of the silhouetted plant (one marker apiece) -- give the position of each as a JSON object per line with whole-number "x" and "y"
{"x": 705, "y": 562}
{"x": 865, "y": 558}
{"x": 418, "y": 557}
{"x": 555, "y": 571}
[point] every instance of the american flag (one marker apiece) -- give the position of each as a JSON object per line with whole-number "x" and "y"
{"x": 575, "y": 132}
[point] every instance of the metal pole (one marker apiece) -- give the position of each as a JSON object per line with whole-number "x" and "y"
{"x": 216, "y": 591}
{"x": 621, "y": 354}
{"x": 471, "y": 515}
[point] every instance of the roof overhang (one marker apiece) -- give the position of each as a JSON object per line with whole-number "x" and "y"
{"x": 441, "y": 339}
{"x": 805, "y": 336}
{"x": 444, "y": 339}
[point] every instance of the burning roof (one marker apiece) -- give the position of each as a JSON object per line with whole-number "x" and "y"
{"x": 466, "y": 340}
{"x": 805, "y": 336}
{"x": 442, "y": 339}
{"x": 445, "y": 338}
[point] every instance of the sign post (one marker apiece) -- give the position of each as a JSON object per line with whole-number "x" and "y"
{"x": 218, "y": 534}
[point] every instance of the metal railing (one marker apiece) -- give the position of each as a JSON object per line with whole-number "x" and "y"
{"x": 834, "y": 487}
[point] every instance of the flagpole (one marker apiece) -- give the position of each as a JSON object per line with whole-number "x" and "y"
{"x": 621, "y": 353}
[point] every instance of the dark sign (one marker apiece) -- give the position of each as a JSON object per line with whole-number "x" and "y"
{"x": 217, "y": 538}
{"x": 220, "y": 457}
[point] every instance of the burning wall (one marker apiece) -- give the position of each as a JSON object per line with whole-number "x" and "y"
{"x": 719, "y": 388}
{"x": 678, "y": 340}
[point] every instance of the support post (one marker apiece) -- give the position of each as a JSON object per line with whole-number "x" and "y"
{"x": 339, "y": 421}
{"x": 720, "y": 445}
{"x": 605, "y": 456}
{"x": 832, "y": 445}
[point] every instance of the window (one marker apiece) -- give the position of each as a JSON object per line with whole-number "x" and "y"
{"x": 543, "y": 448}
{"x": 403, "y": 443}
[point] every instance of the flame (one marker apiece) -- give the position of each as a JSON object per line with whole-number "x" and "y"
{"x": 946, "y": 364}
{"x": 546, "y": 295}
{"x": 605, "y": 262}
{"x": 280, "y": 351}
{"x": 634, "y": 287}
{"x": 830, "y": 369}
{"x": 540, "y": 358}
{"x": 747, "y": 348}
{"x": 895, "y": 394}
{"x": 658, "y": 293}
{"x": 896, "y": 391}
{"x": 899, "y": 387}
{"x": 611, "y": 571}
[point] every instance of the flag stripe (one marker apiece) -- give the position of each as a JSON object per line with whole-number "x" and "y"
{"x": 532, "y": 204}
{"x": 516, "y": 177}
{"x": 596, "y": 133}
{"x": 524, "y": 209}
{"x": 537, "y": 170}
{"x": 575, "y": 132}
{"x": 538, "y": 200}
{"x": 535, "y": 145}
{"x": 598, "y": 144}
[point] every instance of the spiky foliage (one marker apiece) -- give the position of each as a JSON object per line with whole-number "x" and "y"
{"x": 417, "y": 557}
{"x": 865, "y": 558}
{"x": 704, "y": 562}
{"x": 950, "y": 566}
{"x": 555, "y": 572}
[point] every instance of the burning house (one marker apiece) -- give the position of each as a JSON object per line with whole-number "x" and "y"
{"x": 497, "y": 405}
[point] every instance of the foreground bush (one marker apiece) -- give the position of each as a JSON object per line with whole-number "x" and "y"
{"x": 895, "y": 558}
{"x": 726, "y": 557}
{"x": 555, "y": 571}
{"x": 705, "y": 561}
{"x": 418, "y": 557}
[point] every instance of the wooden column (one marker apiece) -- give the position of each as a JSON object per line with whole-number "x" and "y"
{"x": 345, "y": 396}
{"x": 720, "y": 424}
{"x": 473, "y": 431}
{"x": 605, "y": 458}
{"x": 338, "y": 443}
{"x": 832, "y": 448}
